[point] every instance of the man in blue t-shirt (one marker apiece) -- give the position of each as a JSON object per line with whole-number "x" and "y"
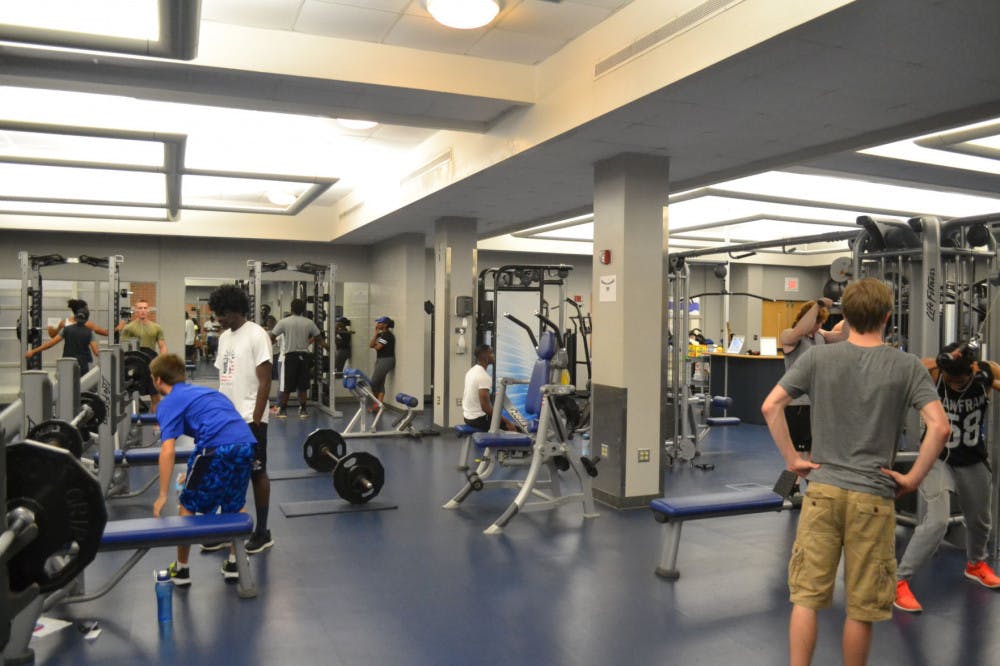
{"x": 219, "y": 473}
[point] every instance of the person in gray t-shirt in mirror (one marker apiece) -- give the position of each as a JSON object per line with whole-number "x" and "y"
{"x": 300, "y": 332}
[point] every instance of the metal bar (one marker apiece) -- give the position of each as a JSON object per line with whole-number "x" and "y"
{"x": 744, "y": 247}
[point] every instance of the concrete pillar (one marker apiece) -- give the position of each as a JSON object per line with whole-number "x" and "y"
{"x": 397, "y": 290}
{"x": 630, "y": 193}
{"x": 455, "y": 274}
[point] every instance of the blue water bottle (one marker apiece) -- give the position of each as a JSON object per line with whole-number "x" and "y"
{"x": 164, "y": 596}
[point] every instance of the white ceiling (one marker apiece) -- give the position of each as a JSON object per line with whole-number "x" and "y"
{"x": 805, "y": 101}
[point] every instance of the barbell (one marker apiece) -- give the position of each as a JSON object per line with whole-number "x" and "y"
{"x": 357, "y": 477}
{"x": 70, "y": 435}
{"x": 56, "y": 516}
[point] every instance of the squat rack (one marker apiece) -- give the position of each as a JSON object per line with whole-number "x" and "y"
{"x": 320, "y": 294}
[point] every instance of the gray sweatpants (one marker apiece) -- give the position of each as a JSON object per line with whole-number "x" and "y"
{"x": 973, "y": 484}
{"x": 383, "y": 366}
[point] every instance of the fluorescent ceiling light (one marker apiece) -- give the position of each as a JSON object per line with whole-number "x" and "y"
{"x": 281, "y": 197}
{"x": 40, "y": 146}
{"x": 463, "y": 14}
{"x": 354, "y": 124}
{"x": 910, "y": 151}
{"x": 134, "y": 19}
{"x": 31, "y": 181}
{"x": 83, "y": 210}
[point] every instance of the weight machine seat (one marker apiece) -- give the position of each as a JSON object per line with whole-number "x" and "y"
{"x": 407, "y": 400}
{"x": 674, "y": 511}
{"x": 464, "y": 430}
{"x": 723, "y": 420}
{"x": 147, "y": 455}
{"x": 174, "y": 530}
{"x": 501, "y": 440}
{"x": 144, "y": 419}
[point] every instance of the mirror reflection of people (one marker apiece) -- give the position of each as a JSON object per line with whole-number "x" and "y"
{"x": 384, "y": 344}
{"x": 190, "y": 335}
{"x": 79, "y": 339}
{"x": 342, "y": 335}
{"x": 150, "y": 336}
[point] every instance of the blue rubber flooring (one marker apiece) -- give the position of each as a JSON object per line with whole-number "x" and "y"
{"x": 420, "y": 585}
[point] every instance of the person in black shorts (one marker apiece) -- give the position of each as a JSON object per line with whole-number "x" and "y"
{"x": 296, "y": 371}
{"x": 79, "y": 341}
{"x": 384, "y": 344}
{"x": 218, "y": 474}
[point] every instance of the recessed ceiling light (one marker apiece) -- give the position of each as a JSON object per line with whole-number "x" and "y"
{"x": 353, "y": 124}
{"x": 463, "y": 14}
{"x": 281, "y": 197}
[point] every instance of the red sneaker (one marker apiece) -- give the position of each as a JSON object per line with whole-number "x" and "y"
{"x": 982, "y": 573}
{"x": 905, "y": 601}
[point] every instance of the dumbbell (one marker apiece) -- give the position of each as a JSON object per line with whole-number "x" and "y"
{"x": 357, "y": 477}
{"x": 69, "y": 435}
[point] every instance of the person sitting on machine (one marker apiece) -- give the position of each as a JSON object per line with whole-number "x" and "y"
{"x": 218, "y": 474}
{"x": 79, "y": 341}
{"x": 477, "y": 405}
{"x": 964, "y": 386}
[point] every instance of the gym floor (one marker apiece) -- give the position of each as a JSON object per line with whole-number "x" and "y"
{"x": 421, "y": 585}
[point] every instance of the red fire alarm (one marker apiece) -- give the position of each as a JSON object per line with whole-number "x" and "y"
{"x": 605, "y": 257}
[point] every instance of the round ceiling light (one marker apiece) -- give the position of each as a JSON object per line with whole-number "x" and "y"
{"x": 463, "y": 14}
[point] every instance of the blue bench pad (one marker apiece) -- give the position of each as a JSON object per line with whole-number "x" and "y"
{"x": 693, "y": 507}
{"x": 144, "y": 419}
{"x": 407, "y": 400}
{"x": 500, "y": 440}
{"x": 723, "y": 420}
{"x": 174, "y": 530}
{"x": 146, "y": 456}
{"x": 463, "y": 429}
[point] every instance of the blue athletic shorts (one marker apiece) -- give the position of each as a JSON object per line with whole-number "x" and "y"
{"x": 219, "y": 480}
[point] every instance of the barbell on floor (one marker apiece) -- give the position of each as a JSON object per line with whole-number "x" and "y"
{"x": 357, "y": 477}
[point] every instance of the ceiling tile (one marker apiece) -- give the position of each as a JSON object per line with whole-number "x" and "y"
{"x": 385, "y": 5}
{"x": 344, "y": 21}
{"x": 269, "y": 14}
{"x": 427, "y": 34}
{"x": 515, "y": 47}
{"x": 553, "y": 20}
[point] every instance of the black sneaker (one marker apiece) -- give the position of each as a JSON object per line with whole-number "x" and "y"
{"x": 303, "y": 413}
{"x": 214, "y": 546}
{"x": 282, "y": 413}
{"x": 259, "y": 542}
{"x": 179, "y": 577}
{"x": 230, "y": 571}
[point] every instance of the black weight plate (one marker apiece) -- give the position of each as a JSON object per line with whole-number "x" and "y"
{"x": 99, "y": 409}
{"x": 60, "y": 434}
{"x": 351, "y": 474}
{"x": 69, "y": 510}
{"x": 150, "y": 354}
{"x": 136, "y": 371}
{"x": 320, "y": 440}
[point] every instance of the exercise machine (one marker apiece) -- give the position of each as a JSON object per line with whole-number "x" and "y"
{"x": 371, "y": 411}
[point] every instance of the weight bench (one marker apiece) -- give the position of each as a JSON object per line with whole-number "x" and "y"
{"x": 675, "y": 511}
{"x": 142, "y": 457}
{"x": 463, "y": 431}
{"x": 141, "y": 534}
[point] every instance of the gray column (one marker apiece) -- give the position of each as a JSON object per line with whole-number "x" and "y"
{"x": 398, "y": 291}
{"x": 629, "y": 339}
{"x": 455, "y": 273}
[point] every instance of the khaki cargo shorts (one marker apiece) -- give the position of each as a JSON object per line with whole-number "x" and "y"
{"x": 860, "y": 525}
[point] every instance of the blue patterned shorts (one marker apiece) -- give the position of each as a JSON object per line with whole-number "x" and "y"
{"x": 221, "y": 482}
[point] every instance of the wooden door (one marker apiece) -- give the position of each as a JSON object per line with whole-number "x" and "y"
{"x": 776, "y": 317}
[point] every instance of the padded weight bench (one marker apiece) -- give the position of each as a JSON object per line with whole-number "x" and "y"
{"x": 142, "y": 457}
{"x": 463, "y": 431}
{"x": 141, "y": 534}
{"x": 674, "y": 511}
{"x": 144, "y": 419}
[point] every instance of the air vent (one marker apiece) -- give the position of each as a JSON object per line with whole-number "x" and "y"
{"x": 665, "y": 33}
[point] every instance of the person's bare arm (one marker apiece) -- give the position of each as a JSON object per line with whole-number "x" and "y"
{"x": 166, "y": 465}
{"x": 838, "y": 333}
{"x": 791, "y": 336}
{"x": 938, "y": 429}
{"x": 773, "y": 410}
{"x": 263, "y": 390}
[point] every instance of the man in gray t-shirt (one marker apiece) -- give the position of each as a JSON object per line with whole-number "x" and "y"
{"x": 299, "y": 332}
{"x": 861, "y": 392}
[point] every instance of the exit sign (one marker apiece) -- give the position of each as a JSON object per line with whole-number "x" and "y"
{"x": 791, "y": 284}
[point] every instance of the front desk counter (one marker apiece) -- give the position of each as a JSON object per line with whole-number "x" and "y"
{"x": 750, "y": 379}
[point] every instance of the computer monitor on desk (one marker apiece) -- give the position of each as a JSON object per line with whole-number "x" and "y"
{"x": 736, "y": 344}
